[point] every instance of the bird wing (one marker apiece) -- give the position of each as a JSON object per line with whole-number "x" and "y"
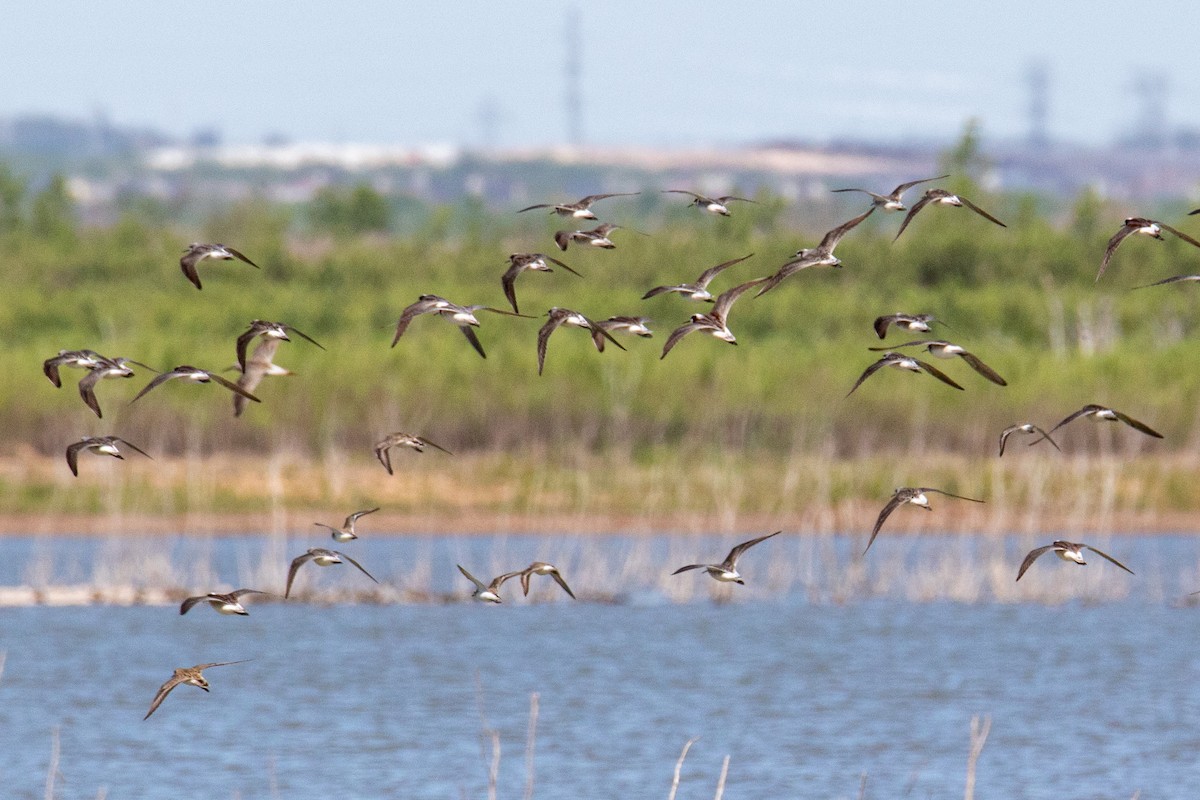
{"x": 473, "y": 339}
{"x": 895, "y": 502}
{"x": 423, "y": 440}
{"x": 87, "y": 390}
{"x": 685, "y": 191}
{"x": 950, "y": 494}
{"x": 736, "y": 553}
{"x": 591, "y": 198}
{"x": 1088, "y": 409}
{"x": 297, "y": 563}
{"x": 353, "y": 517}
{"x": 917, "y": 343}
{"x": 1181, "y": 235}
{"x": 1105, "y": 555}
{"x": 162, "y": 693}
{"x": 157, "y": 381}
{"x": 539, "y": 205}
{"x": 50, "y": 369}
{"x": 904, "y": 187}
{"x": 187, "y": 263}
{"x": 985, "y": 214}
{"x": 657, "y": 290}
{"x": 561, "y": 264}
{"x": 381, "y": 452}
{"x": 726, "y": 299}
{"x": 133, "y": 447}
{"x": 1007, "y": 432}
{"x": 241, "y": 257}
{"x": 712, "y": 272}
{"x": 1046, "y": 437}
{"x": 544, "y": 337}
{"x": 878, "y": 197}
{"x": 599, "y": 333}
{"x": 1172, "y": 279}
{"x": 937, "y": 373}
{"x": 558, "y": 578}
{"x": 563, "y": 238}
{"x": 355, "y": 563}
{"x": 236, "y": 593}
{"x": 1032, "y": 557}
{"x": 471, "y": 577}
{"x": 73, "y": 455}
{"x": 689, "y": 566}
{"x": 243, "y": 342}
{"x": 834, "y": 236}
{"x": 1113, "y": 243}
{"x": 303, "y": 336}
{"x": 881, "y": 324}
{"x": 677, "y": 334}
{"x": 912, "y": 212}
{"x": 187, "y": 604}
{"x": 409, "y": 314}
{"x": 508, "y": 281}
{"x": 231, "y": 386}
{"x": 982, "y": 368}
{"x": 1133, "y": 423}
{"x": 728, "y": 197}
{"x": 868, "y": 372}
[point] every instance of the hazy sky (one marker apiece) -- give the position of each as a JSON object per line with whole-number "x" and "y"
{"x": 663, "y": 72}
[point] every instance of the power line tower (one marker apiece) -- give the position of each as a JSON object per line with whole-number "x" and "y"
{"x": 1037, "y": 80}
{"x": 574, "y": 83}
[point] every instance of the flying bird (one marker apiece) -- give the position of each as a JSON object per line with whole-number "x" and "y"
{"x": 105, "y": 368}
{"x": 520, "y": 262}
{"x": 80, "y": 359}
{"x": 197, "y": 252}
{"x": 699, "y": 290}
{"x": 572, "y": 319}
{"x": 542, "y": 568}
{"x": 461, "y": 316}
{"x": 260, "y": 365}
{"x": 101, "y": 446}
{"x": 939, "y": 348}
{"x": 715, "y": 322}
{"x": 819, "y": 256}
{"x": 726, "y": 571}
{"x": 346, "y": 532}
{"x": 1101, "y": 413}
{"x": 579, "y": 210}
{"x": 418, "y": 443}
{"x": 489, "y": 593}
{"x": 717, "y": 206}
{"x": 322, "y": 558}
{"x": 596, "y": 237}
{"x": 1139, "y": 226}
{"x": 227, "y": 604}
{"x": 910, "y": 322}
{"x": 944, "y": 198}
{"x": 1026, "y": 427}
{"x": 268, "y": 330}
{"x": 892, "y": 202}
{"x": 900, "y": 361}
{"x": 194, "y": 375}
{"x": 1067, "y": 551}
{"x": 634, "y": 326}
{"x": 915, "y": 496}
{"x": 188, "y": 675}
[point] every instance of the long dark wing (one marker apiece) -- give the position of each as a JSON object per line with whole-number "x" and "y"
{"x": 50, "y": 370}
{"x": 188, "y": 264}
{"x": 881, "y": 325}
{"x": 158, "y": 380}
{"x": 134, "y": 447}
{"x": 1181, "y": 235}
{"x": 409, "y": 314}
{"x": 241, "y": 257}
{"x": 557, "y": 579}
{"x": 297, "y": 563}
{"x": 1088, "y": 409}
{"x": 937, "y": 373}
{"x": 473, "y": 339}
{"x": 868, "y": 372}
{"x": 87, "y": 390}
{"x": 561, "y": 264}
{"x": 728, "y": 197}
{"x": 162, "y": 693}
{"x": 1032, "y": 557}
{"x": 983, "y": 369}
{"x": 508, "y": 281}
{"x": 187, "y": 604}
{"x": 712, "y": 272}
{"x": 539, "y": 205}
{"x": 353, "y": 517}
{"x": 243, "y": 342}
{"x": 233, "y": 387}
{"x": 834, "y": 236}
{"x": 916, "y": 343}
{"x": 864, "y": 191}
{"x": 685, "y": 191}
{"x": 657, "y": 290}
{"x": 423, "y": 440}
{"x": 597, "y": 331}
{"x": 904, "y": 187}
{"x": 1116, "y": 240}
{"x": 237, "y": 593}
{"x": 1046, "y": 437}
{"x": 1141, "y": 426}
{"x": 355, "y": 563}
{"x": 73, "y": 456}
{"x": 677, "y": 334}
{"x": 726, "y": 299}
{"x": 736, "y": 552}
{"x": 1172, "y": 279}
{"x": 895, "y": 502}
{"x": 591, "y": 198}
{"x": 303, "y": 336}
{"x": 1103, "y": 554}
{"x": 689, "y": 566}
{"x": 470, "y": 577}
{"x": 912, "y": 212}
{"x": 544, "y": 337}
{"x": 1007, "y": 432}
{"x": 985, "y": 214}
{"x": 951, "y": 494}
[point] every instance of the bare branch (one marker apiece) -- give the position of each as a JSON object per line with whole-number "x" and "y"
{"x": 679, "y": 766}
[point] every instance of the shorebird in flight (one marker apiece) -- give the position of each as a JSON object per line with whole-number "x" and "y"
{"x": 819, "y": 256}
{"x": 718, "y": 206}
{"x": 101, "y": 446}
{"x": 520, "y": 262}
{"x": 699, "y": 290}
{"x": 105, "y": 368}
{"x": 260, "y": 365}
{"x": 268, "y": 330}
{"x": 1067, "y": 551}
{"x": 596, "y": 237}
{"x": 1026, "y": 427}
{"x": 461, "y": 316}
{"x": 715, "y": 322}
{"x": 346, "y": 532}
{"x": 80, "y": 359}
{"x": 900, "y": 361}
{"x": 635, "y": 326}
{"x": 489, "y": 593}
{"x": 542, "y": 568}
{"x": 418, "y": 443}
{"x": 939, "y": 348}
{"x": 578, "y": 210}
{"x": 908, "y": 494}
{"x": 892, "y": 202}
{"x": 572, "y": 319}
{"x": 1139, "y": 226}
{"x": 943, "y": 198}
{"x": 188, "y": 675}
{"x": 726, "y": 571}
{"x": 228, "y": 604}
{"x": 197, "y": 252}
{"x": 322, "y": 558}
{"x": 910, "y": 322}
{"x": 195, "y": 375}
{"x": 1099, "y": 413}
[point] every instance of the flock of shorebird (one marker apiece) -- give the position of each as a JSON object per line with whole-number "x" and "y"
{"x": 253, "y": 367}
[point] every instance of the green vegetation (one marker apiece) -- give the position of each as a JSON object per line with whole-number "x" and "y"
{"x": 1023, "y": 299}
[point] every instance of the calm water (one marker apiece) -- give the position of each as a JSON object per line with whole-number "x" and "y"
{"x": 365, "y": 701}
